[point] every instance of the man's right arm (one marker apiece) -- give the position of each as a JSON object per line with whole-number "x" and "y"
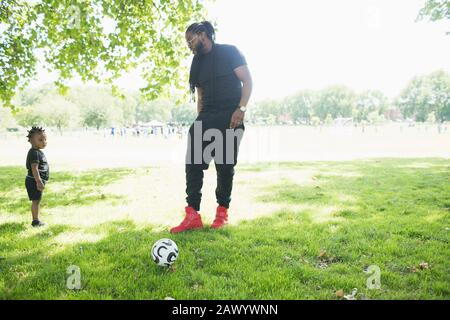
{"x": 199, "y": 99}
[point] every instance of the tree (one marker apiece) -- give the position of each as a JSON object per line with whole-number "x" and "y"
{"x": 184, "y": 114}
{"x": 300, "y": 106}
{"x": 315, "y": 121}
{"x": 368, "y": 102}
{"x": 425, "y": 94}
{"x": 32, "y": 96}
{"x": 431, "y": 118}
{"x": 52, "y": 110}
{"x": 268, "y": 110}
{"x": 55, "y": 111}
{"x": 374, "y": 117}
{"x": 6, "y": 118}
{"x": 98, "y": 108}
{"x": 28, "y": 117}
{"x": 439, "y": 94}
{"x": 96, "y": 118}
{"x": 153, "y": 110}
{"x": 337, "y": 101}
{"x": 435, "y": 10}
{"x": 128, "y": 104}
{"x": 94, "y": 39}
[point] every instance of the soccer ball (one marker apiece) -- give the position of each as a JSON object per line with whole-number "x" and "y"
{"x": 164, "y": 252}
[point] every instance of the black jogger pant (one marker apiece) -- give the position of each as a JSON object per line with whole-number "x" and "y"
{"x": 201, "y": 141}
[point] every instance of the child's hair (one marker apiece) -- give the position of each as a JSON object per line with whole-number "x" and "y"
{"x": 33, "y": 131}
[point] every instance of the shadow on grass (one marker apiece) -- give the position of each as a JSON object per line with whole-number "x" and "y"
{"x": 396, "y": 220}
{"x": 376, "y": 185}
{"x": 81, "y": 189}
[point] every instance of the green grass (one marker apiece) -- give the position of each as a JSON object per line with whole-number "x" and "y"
{"x": 386, "y": 212}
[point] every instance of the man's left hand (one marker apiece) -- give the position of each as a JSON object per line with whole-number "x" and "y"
{"x": 237, "y": 118}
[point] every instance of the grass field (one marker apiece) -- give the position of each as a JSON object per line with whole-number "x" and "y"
{"x": 298, "y": 231}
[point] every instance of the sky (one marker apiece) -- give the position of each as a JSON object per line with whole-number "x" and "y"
{"x": 293, "y": 45}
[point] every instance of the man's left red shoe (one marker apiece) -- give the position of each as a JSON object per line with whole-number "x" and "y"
{"x": 221, "y": 218}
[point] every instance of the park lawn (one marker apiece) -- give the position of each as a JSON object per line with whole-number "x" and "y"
{"x": 393, "y": 213}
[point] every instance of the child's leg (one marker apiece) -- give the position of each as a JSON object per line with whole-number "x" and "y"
{"x": 35, "y": 209}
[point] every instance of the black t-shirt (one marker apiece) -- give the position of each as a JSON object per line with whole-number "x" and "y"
{"x": 222, "y": 89}
{"x": 37, "y": 156}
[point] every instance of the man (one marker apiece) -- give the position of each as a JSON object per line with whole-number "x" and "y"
{"x": 223, "y": 82}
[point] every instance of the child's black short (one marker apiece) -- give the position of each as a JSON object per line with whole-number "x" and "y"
{"x": 32, "y": 190}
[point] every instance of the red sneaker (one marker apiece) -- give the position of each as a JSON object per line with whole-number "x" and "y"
{"x": 221, "y": 218}
{"x": 192, "y": 220}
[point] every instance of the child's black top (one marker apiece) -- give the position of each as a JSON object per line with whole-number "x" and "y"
{"x": 37, "y": 156}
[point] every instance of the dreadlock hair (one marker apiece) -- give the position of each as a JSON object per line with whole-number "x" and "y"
{"x": 33, "y": 131}
{"x": 204, "y": 26}
{"x": 197, "y": 28}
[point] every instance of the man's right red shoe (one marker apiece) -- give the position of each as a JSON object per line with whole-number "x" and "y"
{"x": 221, "y": 218}
{"x": 192, "y": 220}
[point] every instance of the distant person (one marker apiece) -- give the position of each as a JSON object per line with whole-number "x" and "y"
{"x": 38, "y": 171}
{"x": 223, "y": 82}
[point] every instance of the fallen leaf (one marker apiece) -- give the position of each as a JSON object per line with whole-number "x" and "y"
{"x": 323, "y": 253}
{"x": 172, "y": 268}
{"x": 340, "y": 293}
{"x": 424, "y": 265}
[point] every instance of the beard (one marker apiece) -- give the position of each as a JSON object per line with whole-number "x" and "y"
{"x": 199, "y": 49}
